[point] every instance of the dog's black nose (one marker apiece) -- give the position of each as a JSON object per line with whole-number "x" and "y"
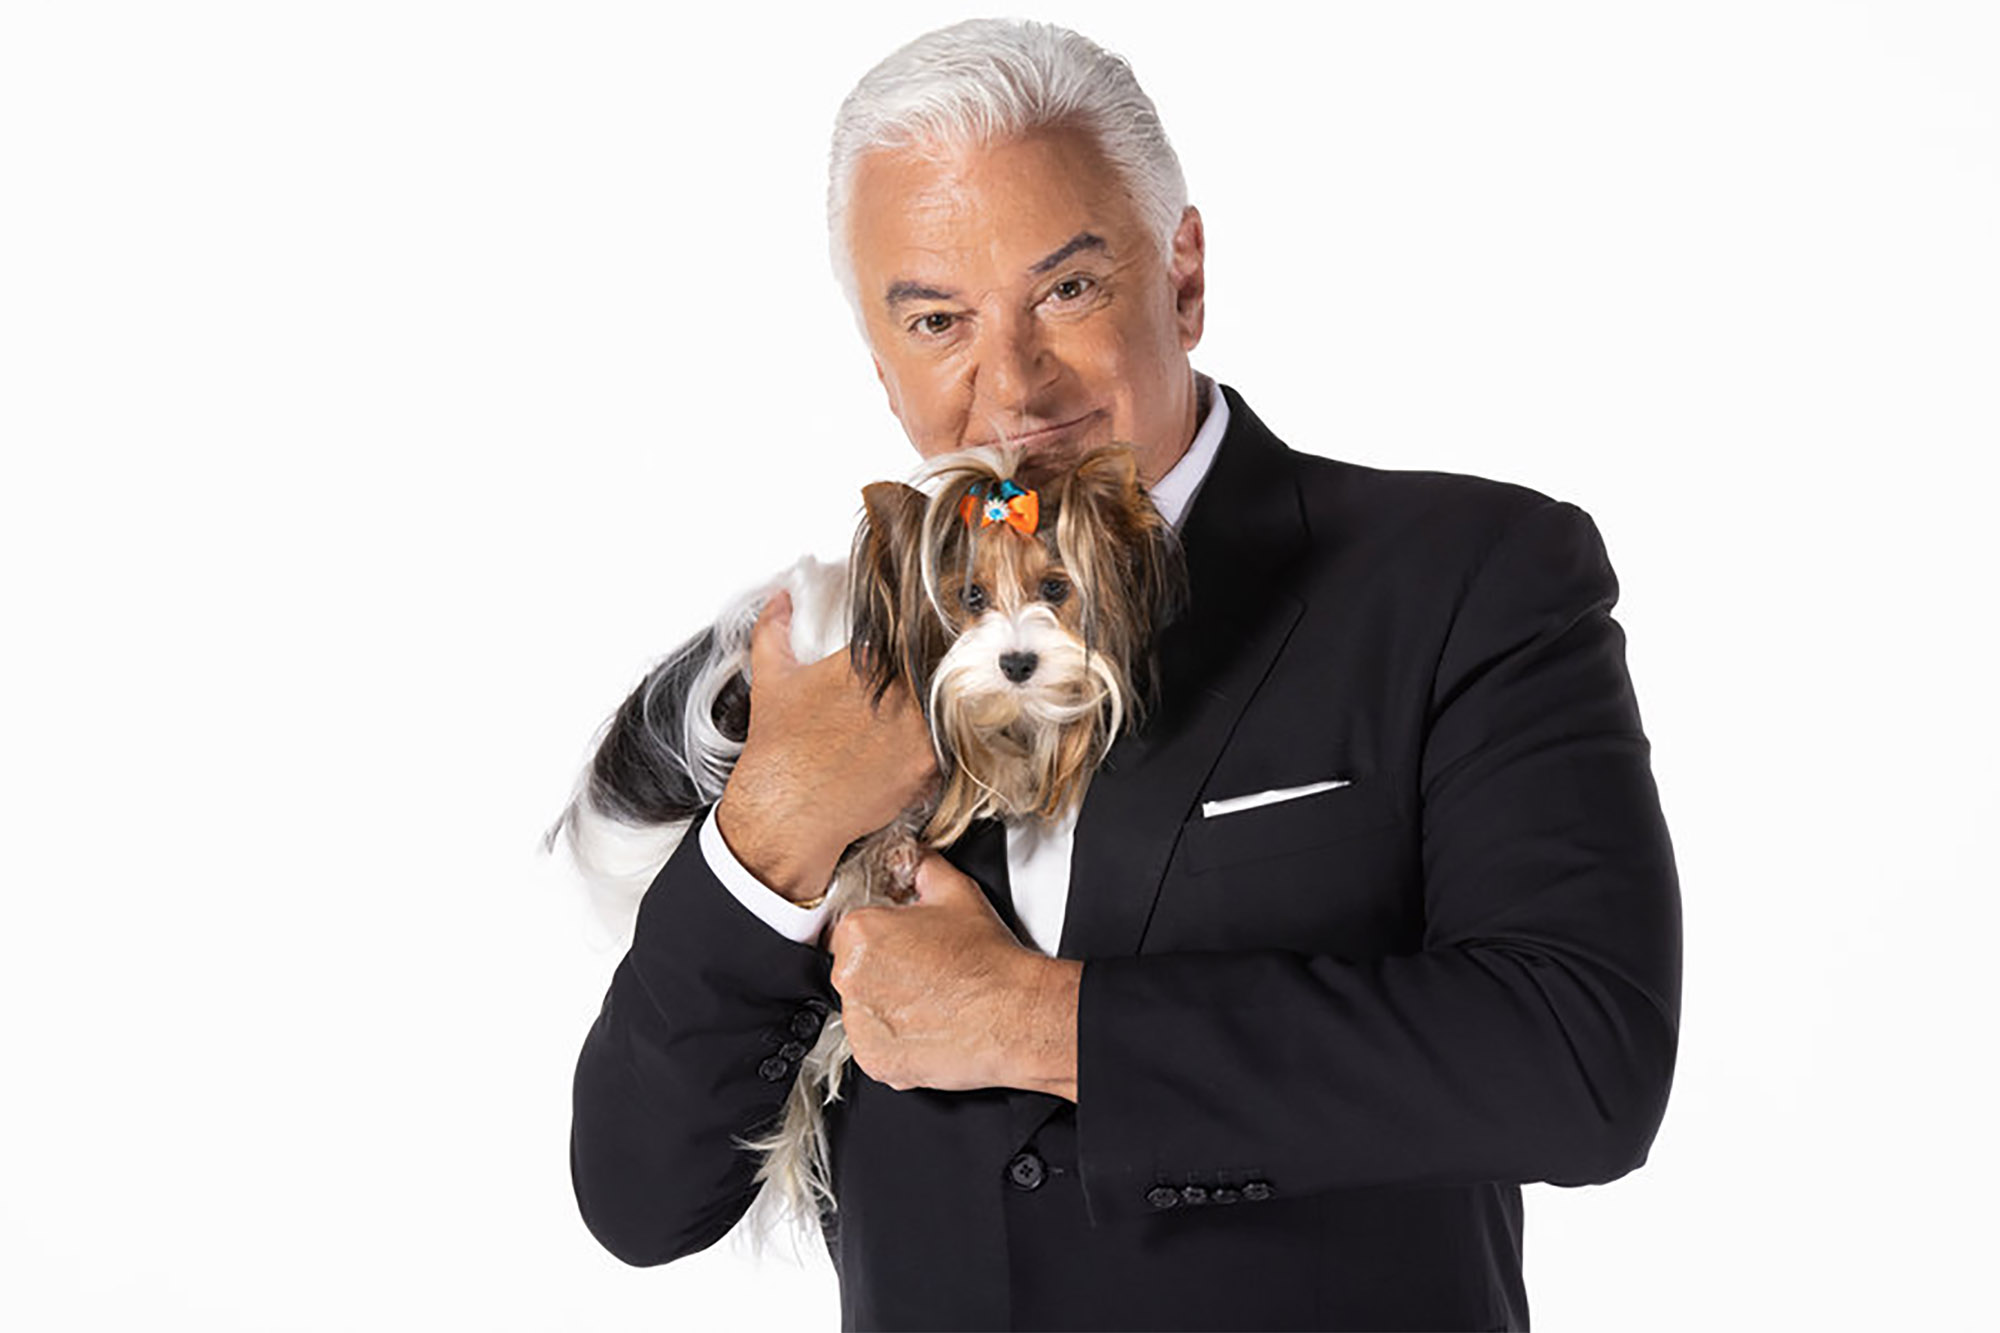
{"x": 1017, "y": 667}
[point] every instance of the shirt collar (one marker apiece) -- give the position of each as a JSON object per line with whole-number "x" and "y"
{"x": 1174, "y": 492}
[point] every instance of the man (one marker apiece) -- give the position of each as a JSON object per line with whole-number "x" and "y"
{"x": 1375, "y": 920}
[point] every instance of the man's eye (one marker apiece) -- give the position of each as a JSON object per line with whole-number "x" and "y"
{"x": 1069, "y": 289}
{"x": 973, "y": 598}
{"x": 1055, "y": 591}
{"x": 936, "y": 322}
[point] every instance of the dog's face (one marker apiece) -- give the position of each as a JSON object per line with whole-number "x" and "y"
{"x": 1017, "y": 632}
{"x": 1022, "y": 610}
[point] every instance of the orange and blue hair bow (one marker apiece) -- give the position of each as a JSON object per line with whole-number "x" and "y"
{"x": 1004, "y": 502}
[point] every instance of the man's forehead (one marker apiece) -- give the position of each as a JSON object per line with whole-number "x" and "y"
{"x": 1025, "y": 207}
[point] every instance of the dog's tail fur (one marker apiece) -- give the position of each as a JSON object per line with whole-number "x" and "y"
{"x": 664, "y": 756}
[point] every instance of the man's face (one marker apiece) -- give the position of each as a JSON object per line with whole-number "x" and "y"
{"x": 1012, "y": 292}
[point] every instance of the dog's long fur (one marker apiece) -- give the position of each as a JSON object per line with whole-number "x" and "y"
{"x": 1029, "y": 655}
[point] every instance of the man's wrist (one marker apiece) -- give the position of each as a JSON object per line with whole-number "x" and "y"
{"x": 1044, "y": 1054}
{"x": 800, "y": 879}
{"x": 800, "y": 923}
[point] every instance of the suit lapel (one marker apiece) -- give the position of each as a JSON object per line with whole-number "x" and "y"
{"x": 1241, "y": 536}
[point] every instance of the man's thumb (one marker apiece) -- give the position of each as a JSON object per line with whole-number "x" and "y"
{"x": 938, "y": 879}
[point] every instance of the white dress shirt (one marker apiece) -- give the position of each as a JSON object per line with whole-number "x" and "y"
{"x": 1038, "y": 855}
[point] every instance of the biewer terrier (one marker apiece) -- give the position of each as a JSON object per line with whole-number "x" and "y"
{"x": 1017, "y": 604}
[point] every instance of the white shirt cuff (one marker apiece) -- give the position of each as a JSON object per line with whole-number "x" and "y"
{"x": 801, "y": 925}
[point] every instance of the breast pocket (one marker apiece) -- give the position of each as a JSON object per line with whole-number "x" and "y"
{"x": 1287, "y": 827}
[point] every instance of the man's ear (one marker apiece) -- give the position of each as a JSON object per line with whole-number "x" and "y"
{"x": 1189, "y": 281}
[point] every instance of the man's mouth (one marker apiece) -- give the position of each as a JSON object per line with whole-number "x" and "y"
{"x": 1043, "y": 436}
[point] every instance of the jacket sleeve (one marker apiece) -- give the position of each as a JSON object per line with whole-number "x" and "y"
{"x": 697, "y": 1045}
{"x": 1533, "y": 1036}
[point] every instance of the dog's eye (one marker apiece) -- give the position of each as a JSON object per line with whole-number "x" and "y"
{"x": 1055, "y": 591}
{"x": 973, "y": 598}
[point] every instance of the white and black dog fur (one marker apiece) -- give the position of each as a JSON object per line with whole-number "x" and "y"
{"x": 1019, "y": 605}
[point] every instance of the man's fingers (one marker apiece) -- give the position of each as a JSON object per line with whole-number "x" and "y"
{"x": 771, "y": 638}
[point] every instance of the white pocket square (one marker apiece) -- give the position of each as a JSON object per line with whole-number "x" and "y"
{"x": 1230, "y": 805}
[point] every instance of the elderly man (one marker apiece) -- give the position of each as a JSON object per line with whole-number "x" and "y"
{"x": 1374, "y": 921}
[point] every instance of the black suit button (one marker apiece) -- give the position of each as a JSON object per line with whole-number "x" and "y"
{"x": 805, "y": 1024}
{"x": 1192, "y": 1194}
{"x": 775, "y": 1069}
{"x": 1224, "y": 1194}
{"x": 1163, "y": 1196}
{"x": 1027, "y": 1171}
{"x": 791, "y": 1050}
{"x": 1257, "y": 1191}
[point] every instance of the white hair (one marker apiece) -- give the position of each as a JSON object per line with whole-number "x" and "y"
{"x": 988, "y": 80}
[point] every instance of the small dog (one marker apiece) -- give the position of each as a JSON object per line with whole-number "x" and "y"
{"x": 1018, "y": 605}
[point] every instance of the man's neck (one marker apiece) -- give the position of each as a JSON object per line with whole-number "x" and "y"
{"x": 1175, "y": 489}
{"x": 1197, "y": 413}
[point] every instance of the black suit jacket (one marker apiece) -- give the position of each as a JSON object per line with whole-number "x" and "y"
{"x": 1322, "y": 1041}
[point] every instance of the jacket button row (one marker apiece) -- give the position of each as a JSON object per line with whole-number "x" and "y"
{"x": 1027, "y": 1171}
{"x": 1166, "y": 1196}
{"x": 804, "y": 1025}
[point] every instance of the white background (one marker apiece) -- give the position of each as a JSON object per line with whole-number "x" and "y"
{"x": 383, "y": 385}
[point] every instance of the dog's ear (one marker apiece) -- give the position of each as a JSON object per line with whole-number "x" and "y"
{"x": 1111, "y": 469}
{"x": 893, "y": 515}
{"x": 1121, "y": 554}
{"x": 884, "y": 572}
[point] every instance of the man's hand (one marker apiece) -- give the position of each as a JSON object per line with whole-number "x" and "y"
{"x": 821, "y": 766}
{"x": 939, "y": 994}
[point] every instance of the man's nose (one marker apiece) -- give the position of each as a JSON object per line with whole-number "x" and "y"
{"x": 1016, "y": 367}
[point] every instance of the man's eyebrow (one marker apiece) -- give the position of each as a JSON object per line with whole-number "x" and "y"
{"x": 903, "y": 290}
{"x": 1083, "y": 240}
